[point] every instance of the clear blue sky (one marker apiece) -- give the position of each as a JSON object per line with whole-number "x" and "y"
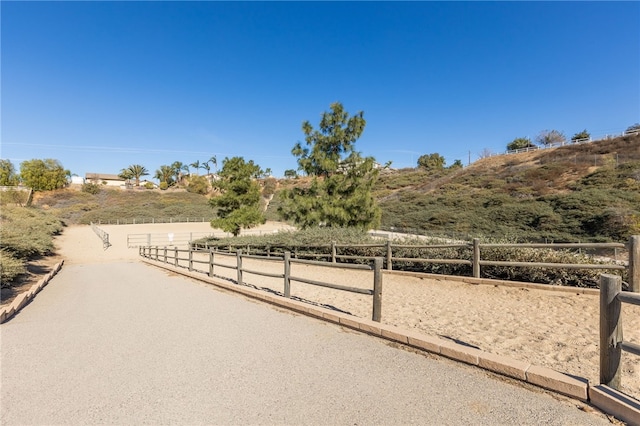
{"x": 101, "y": 86}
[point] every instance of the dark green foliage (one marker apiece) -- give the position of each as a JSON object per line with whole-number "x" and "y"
{"x": 340, "y": 193}
{"x": 239, "y": 205}
{"x": 340, "y": 200}
{"x": 520, "y": 143}
{"x": 581, "y": 136}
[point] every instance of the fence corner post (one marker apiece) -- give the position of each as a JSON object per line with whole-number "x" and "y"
{"x": 190, "y": 258}
{"x": 333, "y": 252}
{"x": 175, "y": 257}
{"x": 239, "y": 265}
{"x": 287, "y": 274}
{"x": 610, "y": 330}
{"x": 377, "y": 289}
{"x": 634, "y": 263}
{"x": 476, "y": 258}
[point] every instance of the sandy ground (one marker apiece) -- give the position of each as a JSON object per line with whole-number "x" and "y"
{"x": 552, "y": 329}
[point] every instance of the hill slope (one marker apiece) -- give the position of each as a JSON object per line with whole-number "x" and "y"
{"x": 576, "y": 192}
{"x": 588, "y": 192}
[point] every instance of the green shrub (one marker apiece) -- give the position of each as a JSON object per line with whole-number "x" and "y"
{"x": 164, "y": 186}
{"x": 198, "y": 185}
{"x": 28, "y": 231}
{"x": 91, "y": 188}
{"x": 10, "y": 268}
{"x": 315, "y": 243}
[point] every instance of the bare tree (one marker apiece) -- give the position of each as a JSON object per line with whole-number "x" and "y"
{"x": 550, "y": 137}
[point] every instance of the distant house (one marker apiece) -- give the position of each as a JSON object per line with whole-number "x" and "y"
{"x": 77, "y": 180}
{"x": 105, "y": 179}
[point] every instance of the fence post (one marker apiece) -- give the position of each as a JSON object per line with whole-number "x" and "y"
{"x": 156, "y": 254}
{"x": 377, "y": 289}
{"x": 287, "y": 274}
{"x": 634, "y": 263}
{"x": 175, "y": 251}
{"x": 190, "y": 258}
{"x": 165, "y": 254}
{"x": 239, "y": 265}
{"x": 211, "y": 262}
{"x": 389, "y": 256}
{"x": 610, "y": 330}
{"x": 476, "y": 258}
{"x": 333, "y": 252}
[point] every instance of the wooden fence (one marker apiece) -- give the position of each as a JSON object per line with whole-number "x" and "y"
{"x": 173, "y": 256}
{"x": 330, "y": 252}
{"x": 611, "y": 340}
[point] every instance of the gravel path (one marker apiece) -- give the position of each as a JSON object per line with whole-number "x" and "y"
{"x": 125, "y": 343}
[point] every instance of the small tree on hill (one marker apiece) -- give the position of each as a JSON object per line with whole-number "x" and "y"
{"x": 8, "y": 176}
{"x": 520, "y": 143}
{"x": 634, "y": 128}
{"x": 581, "y": 135}
{"x": 550, "y": 137}
{"x": 43, "y": 175}
{"x": 239, "y": 205}
{"x": 431, "y": 161}
{"x": 457, "y": 164}
{"x": 340, "y": 193}
{"x": 290, "y": 174}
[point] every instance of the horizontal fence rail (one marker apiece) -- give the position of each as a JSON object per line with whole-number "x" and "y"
{"x": 611, "y": 338}
{"x": 331, "y": 252}
{"x": 172, "y": 255}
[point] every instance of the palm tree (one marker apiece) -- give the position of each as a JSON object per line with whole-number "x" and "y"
{"x": 195, "y": 165}
{"x": 165, "y": 174}
{"x": 126, "y": 175}
{"x": 177, "y": 168}
{"x": 137, "y": 171}
{"x": 213, "y": 160}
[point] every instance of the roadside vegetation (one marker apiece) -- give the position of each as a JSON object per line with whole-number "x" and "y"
{"x": 25, "y": 233}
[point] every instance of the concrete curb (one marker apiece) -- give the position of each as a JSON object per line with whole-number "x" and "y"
{"x": 24, "y": 298}
{"x": 607, "y": 400}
